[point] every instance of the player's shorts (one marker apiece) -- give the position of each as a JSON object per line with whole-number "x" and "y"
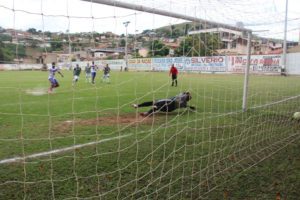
{"x": 106, "y": 76}
{"x": 93, "y": 74}
{"x": 174, "y": 76}
{"x": 87, "y": 74}
{"x": 54, "y": 82}
{"x": 76, "y": 77}
{"x": 165, "y": 105}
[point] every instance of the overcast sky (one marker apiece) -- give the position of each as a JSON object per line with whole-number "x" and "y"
{"x": 255, "y": 14}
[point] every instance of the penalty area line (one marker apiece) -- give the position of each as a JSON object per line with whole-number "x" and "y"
{"x": 57, "y": 151}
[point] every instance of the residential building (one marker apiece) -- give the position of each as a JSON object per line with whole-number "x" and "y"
{"x": 295, "y": 49}
{"x": 143, "y": 52}
{"x": 234, "y": 42}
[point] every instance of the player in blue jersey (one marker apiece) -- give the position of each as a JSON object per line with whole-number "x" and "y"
{"x": 53, "y": 82}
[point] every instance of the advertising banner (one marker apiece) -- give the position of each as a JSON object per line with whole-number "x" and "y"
{"x": 164, "y": 64}
{"x": 207, "y": 64}
{"x": 258, "y": 64}
{"x": 113, "y": 64}
{"x": 200, "y": 64}
{"x": 140, "y": 64}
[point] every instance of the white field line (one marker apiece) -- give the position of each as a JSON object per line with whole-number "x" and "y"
{"x": 57, "y": 151}
{"x": 275, "y": 102}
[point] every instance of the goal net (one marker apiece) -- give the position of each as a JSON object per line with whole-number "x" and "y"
{"x": 85, "y": 140}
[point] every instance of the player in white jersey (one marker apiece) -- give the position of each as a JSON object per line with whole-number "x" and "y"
{"x": 51, "y": 78}
{"x": 93, "y": 72}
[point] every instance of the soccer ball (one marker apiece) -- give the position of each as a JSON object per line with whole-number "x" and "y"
{"x": 296, "y": 116}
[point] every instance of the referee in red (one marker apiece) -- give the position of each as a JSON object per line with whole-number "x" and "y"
{"x": 174, "y": 72}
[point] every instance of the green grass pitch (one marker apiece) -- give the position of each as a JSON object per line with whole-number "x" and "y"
{"x": 183, "y": 155}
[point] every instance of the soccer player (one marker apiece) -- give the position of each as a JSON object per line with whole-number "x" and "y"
{"x": 76, "y": 73}
{"x": 174, "y": 72}
{"x": 93, "y": 72}
{"x": 53, "y": 82}
{"x": 88, "y": 73}
{"x": 106, "y": 71}
{"x": 167, "y": 105}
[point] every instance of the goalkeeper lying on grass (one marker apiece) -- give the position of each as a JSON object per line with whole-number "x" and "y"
{"x": 167, "y": 105}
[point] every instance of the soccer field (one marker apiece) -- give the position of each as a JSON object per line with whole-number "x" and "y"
{"x": 88, "y": 141}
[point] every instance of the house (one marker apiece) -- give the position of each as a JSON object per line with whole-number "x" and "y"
{"x": 295, "y": 49}
{"x": 171, "y": 45}
{"x": 100, "y": 54}
{"x": 64, "y": 57}
{"x": 143, "y": 52}
{"x": 234, "y": 42}
{"x": 80, "y": 55}
{"x": 49, "y": 57}
{"x": 44, "y": 45}
{"x": 103, "y": 53}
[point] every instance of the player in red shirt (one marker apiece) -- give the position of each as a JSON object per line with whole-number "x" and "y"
{"x": 174, "y": 72}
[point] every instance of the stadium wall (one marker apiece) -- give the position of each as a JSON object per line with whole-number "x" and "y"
{"x": 260, "y": 64}
{"x": 293, "y": 63}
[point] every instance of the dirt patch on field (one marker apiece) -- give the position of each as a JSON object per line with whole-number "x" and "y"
{"x": 37, "y": 91}
{"x": 123, "y": 120}
{"x": 116, "y": 120}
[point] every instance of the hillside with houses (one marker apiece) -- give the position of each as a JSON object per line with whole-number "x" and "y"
{"x": 186, "y": 39}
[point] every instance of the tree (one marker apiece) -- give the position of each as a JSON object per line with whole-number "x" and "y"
{"x": 34, "y": 43}
{"x": 147, "y": 31}
{"x": 3, "y": 56}
{"x": 16, "y": 50}
{"x": 113, "y": 44}
{"x": 136, "y": 54}
{"x": 158, "y": 49}
{"x": 123, "y": 43}
{"x": 4, "y": 37}
{"x": 186, "y": 30}
{"x": 48, "y": 33}
{"x": 204, "y": 44}
{"x": 56, "y": 44}
{"x": 2, "y": 29}
{"x": 32, "y": 31}
{"x": 7, "y": 53}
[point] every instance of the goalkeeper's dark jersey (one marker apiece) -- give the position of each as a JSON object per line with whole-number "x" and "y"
{"x": 168, "y": 105}
{"x": 181, "y": 100}
{"x": 77, "y": 71}
{"x": 106, "y": 70}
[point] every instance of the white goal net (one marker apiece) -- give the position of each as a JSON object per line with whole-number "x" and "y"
{"x": 110, "y": 137}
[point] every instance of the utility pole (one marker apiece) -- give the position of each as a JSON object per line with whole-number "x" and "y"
{"x": 299, "y": 36}
{"x": 285, "y": 32}
{"x": 135, "y": 47}
{"x": 126, "y": 53}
